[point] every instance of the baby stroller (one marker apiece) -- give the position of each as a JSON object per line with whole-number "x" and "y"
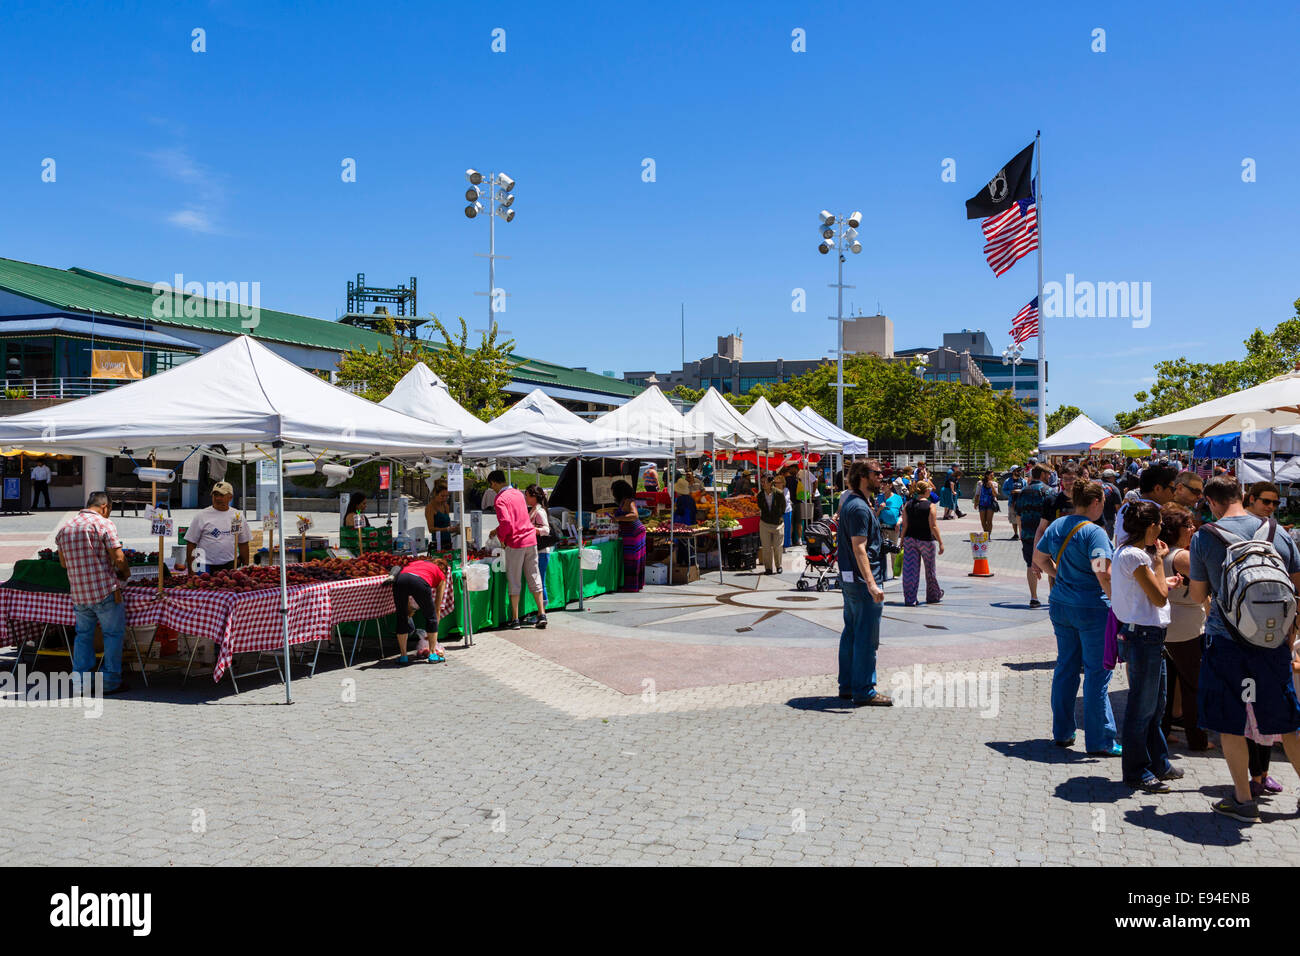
{"x": 819, "y": 564}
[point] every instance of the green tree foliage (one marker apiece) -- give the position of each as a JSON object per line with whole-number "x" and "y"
{"x": 475, "y": 375}
{"x": 1058, "y": 419}
{"x": 1181, "y": 383}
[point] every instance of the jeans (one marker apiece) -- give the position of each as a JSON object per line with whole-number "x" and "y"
{"x": 788, "y": 522}
{"x": 1080, "y": 641}
{"x": 111, "y": 617}
{"x": 1146, "y": 753}
{"x": 859, "y": 641}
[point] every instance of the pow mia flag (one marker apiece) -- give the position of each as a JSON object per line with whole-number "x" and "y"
{"x": 1013, "y": 182}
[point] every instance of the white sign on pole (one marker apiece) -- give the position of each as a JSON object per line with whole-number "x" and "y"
{"x": 455, "y": 477}
{"x": 602, "y": 491}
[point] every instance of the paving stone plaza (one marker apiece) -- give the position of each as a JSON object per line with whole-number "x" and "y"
{"x": 695, "y": 724}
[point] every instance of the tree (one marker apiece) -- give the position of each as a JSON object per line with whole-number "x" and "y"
{"x": 687, "y": 394}
{"x": 1181, "y": 383}
{"x": 1061, "y": 417}
{"x": 475, "y": 377}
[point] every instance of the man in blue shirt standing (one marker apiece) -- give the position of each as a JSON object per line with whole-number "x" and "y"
{"x": 861, "y": 563}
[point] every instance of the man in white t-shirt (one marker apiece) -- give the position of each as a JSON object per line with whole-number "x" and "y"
{"x": 41, "y": 484}
{"x": 218, "y": 531}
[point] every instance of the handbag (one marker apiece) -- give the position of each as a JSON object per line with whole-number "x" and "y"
{"x": 1110, "y": 652}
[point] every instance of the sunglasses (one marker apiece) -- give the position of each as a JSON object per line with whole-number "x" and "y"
{"x": 1271, "y": 502}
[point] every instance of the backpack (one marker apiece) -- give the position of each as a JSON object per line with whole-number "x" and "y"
{"x": 1258, "y": 601}
{"x": 1030, "y": 506}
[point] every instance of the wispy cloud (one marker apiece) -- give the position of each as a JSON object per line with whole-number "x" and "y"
{"x": 200, "y": 211}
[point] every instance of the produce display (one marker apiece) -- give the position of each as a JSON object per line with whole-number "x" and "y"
{"x": 134, "y": 558}
{"x": 263, "y": 577}
{"x": 743, "y": 506}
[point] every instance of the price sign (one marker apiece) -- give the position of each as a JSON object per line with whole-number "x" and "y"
{"x": 383, "y": 477}
{"x": 455, "y": 477}
{"x": 163, "y": 527}
{"x": 304, "y": 522}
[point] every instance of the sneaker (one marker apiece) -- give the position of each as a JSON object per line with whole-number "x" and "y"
{"x": 512, "y": 624}
{"x": 1035, "y": 603}
{"x": 1271, "y": 785}
{"x": 1150, "y": 784}
{"x": 1173, "y": 773}
{"x": 1229, "y": 807}
{"x": 541, "y": 622}
{"x": 1115, "y": 751}
{"x": 1066, "y": 743}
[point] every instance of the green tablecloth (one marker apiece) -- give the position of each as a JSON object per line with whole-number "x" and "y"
{"x": 37, "y": 574}
{"x": 491, "y": 608}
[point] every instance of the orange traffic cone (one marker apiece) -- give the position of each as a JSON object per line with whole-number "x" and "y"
{"x": 979, "y": 546}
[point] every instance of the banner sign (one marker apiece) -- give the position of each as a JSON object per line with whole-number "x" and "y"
{"x": 114, "y": 363}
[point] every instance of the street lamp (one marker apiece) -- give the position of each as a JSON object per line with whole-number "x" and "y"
{"x": 1011, "y": 356}
{"x": 839, "y": 233}
{"x": 493, "y": 194}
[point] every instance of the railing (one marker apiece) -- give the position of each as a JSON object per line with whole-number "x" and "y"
{"x": 57, "y": 387}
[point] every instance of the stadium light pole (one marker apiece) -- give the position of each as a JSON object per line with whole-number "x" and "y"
{"x": 1011, "y": 356}
{"x": 841, "y": 234}
{"x": 498, "y": 190}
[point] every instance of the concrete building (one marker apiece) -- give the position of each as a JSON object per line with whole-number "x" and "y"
{"x": 988, "y": 361}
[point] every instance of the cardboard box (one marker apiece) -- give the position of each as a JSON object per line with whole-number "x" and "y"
{"x": 685, "y": 574}
{"x": 656, "y": 574}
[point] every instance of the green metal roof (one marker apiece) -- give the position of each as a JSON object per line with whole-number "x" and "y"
{"x": 101, "y": 293}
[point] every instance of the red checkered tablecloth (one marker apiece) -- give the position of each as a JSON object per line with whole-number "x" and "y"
{"x": 237, "y": 622}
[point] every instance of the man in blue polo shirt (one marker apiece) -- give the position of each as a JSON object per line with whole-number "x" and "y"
{"x": 861, "y": 563}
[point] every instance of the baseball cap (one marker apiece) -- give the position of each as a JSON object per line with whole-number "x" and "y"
{"x": 1108, "y": 473}
{"x": 223, "y": 488}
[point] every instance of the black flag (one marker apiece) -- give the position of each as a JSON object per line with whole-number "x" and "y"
{"x": 1014, "y": 181}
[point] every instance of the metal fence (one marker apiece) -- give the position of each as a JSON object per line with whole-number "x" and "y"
{"x": 57, "y": 387}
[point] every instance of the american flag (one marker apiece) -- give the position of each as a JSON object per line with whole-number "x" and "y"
{"x": 1025, "y": 325}
{"x": 1011, "y": 235}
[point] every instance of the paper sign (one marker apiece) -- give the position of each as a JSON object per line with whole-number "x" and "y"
{"x": 456, "y": 477}
{"x": 150, "y": 511}
{"x": 602, "y": 491}
{"x": 304, "y": 523}
{"x": 383, "y": 477}
{"x": 190, "y": 470}
{"x": 163, "y": 527}
{"x": 266, "y": 472}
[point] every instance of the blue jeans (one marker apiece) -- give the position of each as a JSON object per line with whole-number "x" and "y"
{"x": 788, "y": 516}
{"x": 1146, "y": 752}
{"x": 1080, "y": 641}
{"x": 111, "y": 617}
{"x": 859, "y": 641}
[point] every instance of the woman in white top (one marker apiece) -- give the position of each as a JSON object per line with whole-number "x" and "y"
{"x": 1186, "y": 624}
{"x": 1140, "y": 600}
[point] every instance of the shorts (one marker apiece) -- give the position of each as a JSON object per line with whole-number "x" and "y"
{"x": 1027, "y": 549}
{"x": 1228, "y": 669}
{"x": 804, "y": 509}
{"x": 522, "y": 563}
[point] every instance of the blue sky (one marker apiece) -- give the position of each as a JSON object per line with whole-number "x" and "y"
{"x": 225, "y": 165}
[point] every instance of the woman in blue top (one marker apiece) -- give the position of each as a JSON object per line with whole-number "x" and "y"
{"x": 1076, "y": 550}
{"x": 889, "y": 509}
{"x": 986, "y": 500}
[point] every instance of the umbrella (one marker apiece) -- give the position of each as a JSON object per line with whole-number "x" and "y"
{"x": 1123, "y": 444}
{"x": 1274, "y": 404}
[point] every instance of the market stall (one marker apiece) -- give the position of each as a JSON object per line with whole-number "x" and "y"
{"x": 243, "y": 396}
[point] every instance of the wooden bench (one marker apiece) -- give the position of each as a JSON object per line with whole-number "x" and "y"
{"x": 137, "y": 498}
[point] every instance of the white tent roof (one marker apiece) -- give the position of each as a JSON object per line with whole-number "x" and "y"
{"x": 1273, "y": 404}
{"x": 1076, "y": 436}
{"x": 853, "y": 445}
{"x": 784, "y": 433}
{"x": 651, "y": 416}
{"x": 714, "y": 415}
{"x": 540, "y": 415}
{"x": 241, "y": 392}
{"x": 423, "y": 395}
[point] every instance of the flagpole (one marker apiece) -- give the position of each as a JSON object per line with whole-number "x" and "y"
{"x": 1042, "y": 312}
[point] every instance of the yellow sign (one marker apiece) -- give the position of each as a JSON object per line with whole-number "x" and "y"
{"x": 113, "y": 363}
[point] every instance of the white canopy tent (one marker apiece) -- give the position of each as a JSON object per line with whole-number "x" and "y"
{"x": 539, "y": 414}
{"x": 784, "y": 433}
{"x": 423, "y": 395}
{"x": 1079, "y": 435}
{"x": 852, "y": 444}
{"x": 243, "y": 393}
{"x": 714, "y": 415}
{"x": 1272, "y": 404}
{"x": 651, "y": 416}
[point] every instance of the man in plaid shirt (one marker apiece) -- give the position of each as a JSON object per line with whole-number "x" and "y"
{"x": 91, "y": 551}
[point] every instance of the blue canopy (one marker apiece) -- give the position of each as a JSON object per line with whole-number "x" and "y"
{"x": 1219, "y": 446}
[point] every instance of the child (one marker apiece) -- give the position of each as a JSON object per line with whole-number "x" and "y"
{"x": 1140, "y": 600}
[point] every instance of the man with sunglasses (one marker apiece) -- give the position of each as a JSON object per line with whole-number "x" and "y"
{"x": 862, "y": 568}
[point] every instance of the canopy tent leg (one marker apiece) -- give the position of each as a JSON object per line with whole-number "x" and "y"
{"x": 581, "y": 586}
{"x": 284, "y": 573}
{"x": 672, "y": 514}
{"x": 468, "y": 636}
